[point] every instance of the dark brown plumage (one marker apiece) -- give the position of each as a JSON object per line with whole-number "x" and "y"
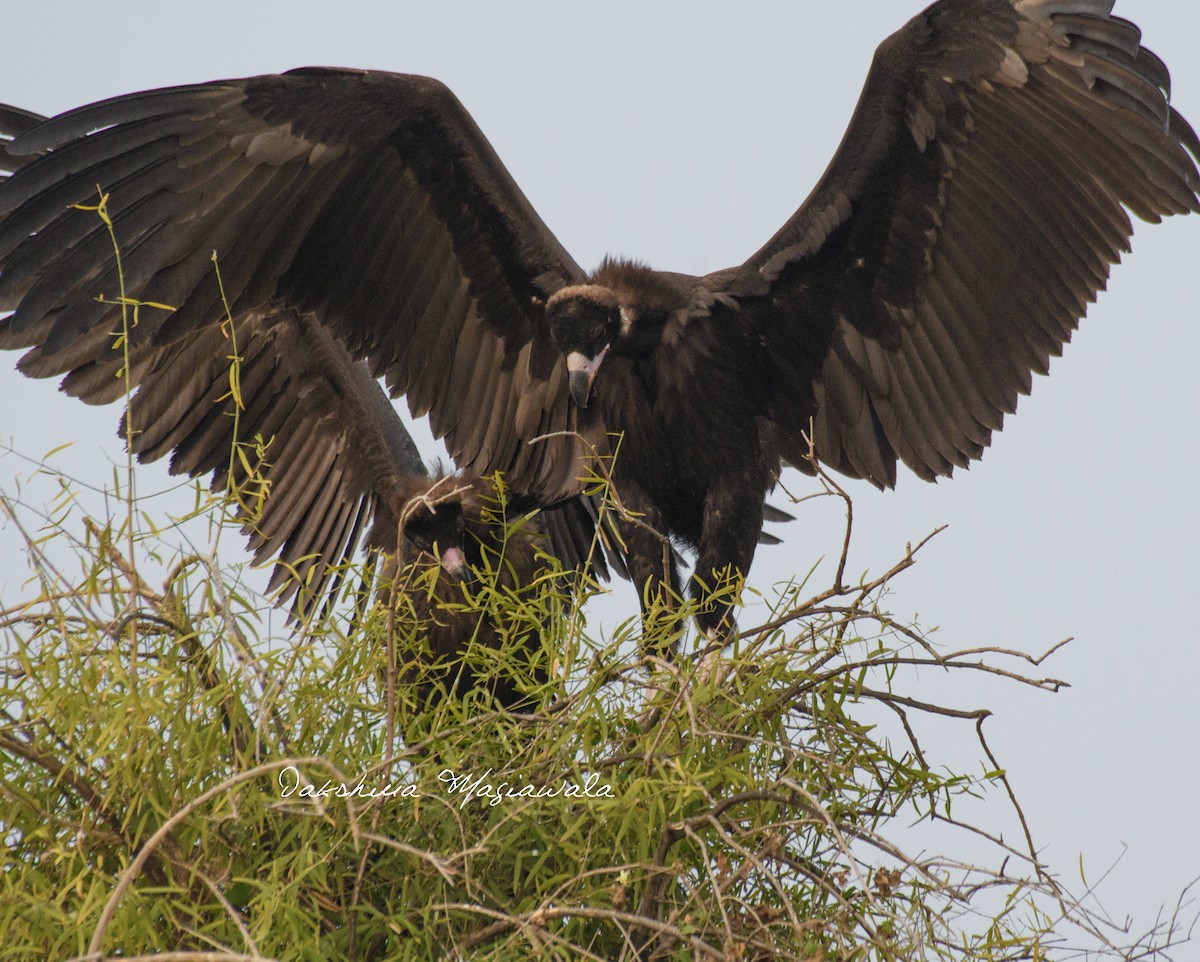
{"x": 454, "y": 525}
{"x": 973, "y": 210}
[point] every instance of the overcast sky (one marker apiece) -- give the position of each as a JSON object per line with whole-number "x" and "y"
{"x": 684, "y": 135}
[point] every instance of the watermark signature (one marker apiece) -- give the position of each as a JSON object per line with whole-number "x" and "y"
{"x": 293, "y": 785}
{"x": 466, "y": 786}
{"x": 469, "y": 787}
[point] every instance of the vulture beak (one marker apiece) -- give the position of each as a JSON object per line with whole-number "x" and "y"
{"x": 454, "y": 563}
{"x": 581, "y": 371}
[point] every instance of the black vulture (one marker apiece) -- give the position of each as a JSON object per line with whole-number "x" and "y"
{"x": 331, "y": 464}
{"x": 974, "y": 208}
{"x": 458, "y": 523}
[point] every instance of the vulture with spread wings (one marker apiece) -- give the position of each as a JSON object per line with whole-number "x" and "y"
{"x": 971, "y": 213}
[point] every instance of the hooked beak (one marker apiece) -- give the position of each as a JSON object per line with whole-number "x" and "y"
{"x": 454, "y": 563}
{"x": 581, "y": 371}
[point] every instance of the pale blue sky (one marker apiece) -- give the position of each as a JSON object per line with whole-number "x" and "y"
{"x": 684, "y": 134}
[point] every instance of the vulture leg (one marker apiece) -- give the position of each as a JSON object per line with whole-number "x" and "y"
{"x": 732, "y": 523}
{"x": 652, "y": 566}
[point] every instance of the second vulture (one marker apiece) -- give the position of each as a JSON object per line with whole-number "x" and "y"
{"x": 978, "y": 199}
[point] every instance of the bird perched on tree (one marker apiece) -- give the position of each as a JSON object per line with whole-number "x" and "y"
{"x": 318, "y": 460}
{"x": 457, "y": 523}
{"x": 978, "y": 199}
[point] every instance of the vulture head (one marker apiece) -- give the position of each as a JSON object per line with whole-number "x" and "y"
{"x": 585, "y": 321}
{"x": 434, "y": 515}
{"x": 439, "y": 530}
{"x": 624, "y": 309}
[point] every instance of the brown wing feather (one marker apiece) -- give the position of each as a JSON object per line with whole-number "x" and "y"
{"x": 368, "y": 201}
{"x": 13, "y": 122}
{"x": 969, "y": 217}
{"x": 332, "y": 447}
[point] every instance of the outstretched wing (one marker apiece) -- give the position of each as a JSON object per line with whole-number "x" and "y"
{"x": 370, "y": 202}
{"x": 971, "y": 213}
{"x": 314, "y": 450}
